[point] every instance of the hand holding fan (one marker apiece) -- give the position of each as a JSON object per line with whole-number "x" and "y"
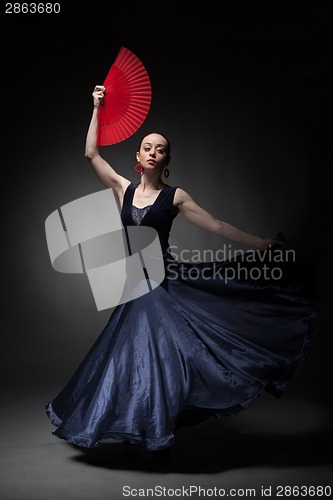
{"x": 127, "y": 99}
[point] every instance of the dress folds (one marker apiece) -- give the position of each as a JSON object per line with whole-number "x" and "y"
{"x": 198, "y": 345}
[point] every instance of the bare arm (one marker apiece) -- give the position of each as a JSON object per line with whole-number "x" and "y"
{"x": 200, "y": 217}
{"x": 106, "y": 174}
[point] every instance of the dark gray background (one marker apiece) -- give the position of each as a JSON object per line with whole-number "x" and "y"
{"x": 243, "y": 91}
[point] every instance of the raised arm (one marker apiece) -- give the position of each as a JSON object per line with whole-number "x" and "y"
{"x": 200, "y": 217}
{"x": 106, "y": 174}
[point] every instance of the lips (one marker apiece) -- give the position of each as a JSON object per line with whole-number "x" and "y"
{"x": 153, "y": 162}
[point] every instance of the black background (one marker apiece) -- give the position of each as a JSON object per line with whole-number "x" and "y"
{"x": 243, "y": 91}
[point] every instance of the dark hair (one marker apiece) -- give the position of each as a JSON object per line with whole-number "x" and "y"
{"x": 167, "y": 149}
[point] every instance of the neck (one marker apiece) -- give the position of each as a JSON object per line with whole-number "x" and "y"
{"x": 152, "y": 182}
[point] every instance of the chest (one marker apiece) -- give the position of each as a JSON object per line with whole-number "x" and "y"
{"x": 143, "y": 200}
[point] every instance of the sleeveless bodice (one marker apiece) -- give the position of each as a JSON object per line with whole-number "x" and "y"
{"x": 159, "y": 215}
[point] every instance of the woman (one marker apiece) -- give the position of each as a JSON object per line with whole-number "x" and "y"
{"x": 195, "y": 346}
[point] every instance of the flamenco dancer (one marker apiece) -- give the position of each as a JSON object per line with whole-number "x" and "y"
{"x": 193, "y": 347}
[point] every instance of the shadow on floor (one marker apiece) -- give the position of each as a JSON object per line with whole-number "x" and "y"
{"x": 193, "y": 452}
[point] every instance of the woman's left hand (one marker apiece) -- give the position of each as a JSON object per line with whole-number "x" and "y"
{"x": 275, "y": 241}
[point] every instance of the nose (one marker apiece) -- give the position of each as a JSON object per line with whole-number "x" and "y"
{"x": 152, "y": 153}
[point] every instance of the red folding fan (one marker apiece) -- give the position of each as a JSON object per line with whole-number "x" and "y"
{"x": 127, "y": 99}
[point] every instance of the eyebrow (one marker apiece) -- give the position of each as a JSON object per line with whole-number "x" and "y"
{"x": 150, "y": 144}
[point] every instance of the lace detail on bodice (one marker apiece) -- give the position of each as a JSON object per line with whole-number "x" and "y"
{"x": 139, "y": 213}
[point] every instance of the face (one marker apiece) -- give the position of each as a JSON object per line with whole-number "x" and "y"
{"x": 154, "y": 152}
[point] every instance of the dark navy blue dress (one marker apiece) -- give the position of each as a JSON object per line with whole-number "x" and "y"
{"x": 192, "y": 347}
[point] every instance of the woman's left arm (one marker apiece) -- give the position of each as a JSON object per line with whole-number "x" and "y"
{"x": 200, "y": 217}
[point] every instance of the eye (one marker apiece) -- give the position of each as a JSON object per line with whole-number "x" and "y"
{"x": 160, "y": 151}
{"x": 146, "y": 148}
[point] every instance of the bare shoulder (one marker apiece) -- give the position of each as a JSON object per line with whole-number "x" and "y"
{"x": 181, "y": 196}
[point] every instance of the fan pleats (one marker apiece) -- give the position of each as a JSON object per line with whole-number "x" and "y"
{"x": 127, "y": 99}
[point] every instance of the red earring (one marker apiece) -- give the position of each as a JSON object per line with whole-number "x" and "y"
{"x": 138, "y": 168}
